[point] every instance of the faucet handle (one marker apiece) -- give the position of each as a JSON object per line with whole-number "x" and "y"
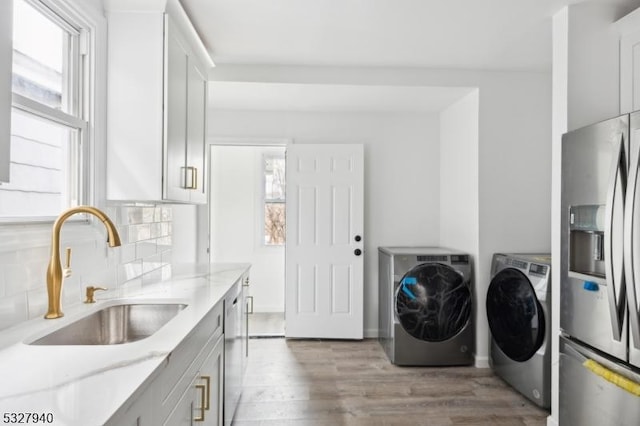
{"x": 90, "y": 293}
{"x": 66, "y": 271}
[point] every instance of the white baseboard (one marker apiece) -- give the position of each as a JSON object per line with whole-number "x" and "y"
{"x": 481, "y": 361}
{"x": 551, "y": 421}
{"x": 370, "y": 333}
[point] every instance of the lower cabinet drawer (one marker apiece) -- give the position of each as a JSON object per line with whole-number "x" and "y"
{"x": 184, "y": 363}
{"x": 201, "y": 402}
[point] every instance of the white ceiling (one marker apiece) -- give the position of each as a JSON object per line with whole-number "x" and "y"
{"x": 461, "y": 34}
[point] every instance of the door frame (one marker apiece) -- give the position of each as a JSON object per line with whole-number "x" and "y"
{"x": 204, "y": 211}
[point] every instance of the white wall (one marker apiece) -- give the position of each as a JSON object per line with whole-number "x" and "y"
{"x": 236, "y": 194}
{"x": 513, "y": 158}
{"x": 515, "y": 178}
{"x": 459, "y": 189}
{"x": 401, "y": 173}
{"x": 459, "y": 183}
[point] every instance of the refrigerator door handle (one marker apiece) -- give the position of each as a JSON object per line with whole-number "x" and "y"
{"x": 614, "y": 277}
{"x": 631, "y": 267}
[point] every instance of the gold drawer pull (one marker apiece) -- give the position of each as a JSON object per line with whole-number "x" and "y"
{"x": 207, "y": 380}
{"x": 202, "y": 403}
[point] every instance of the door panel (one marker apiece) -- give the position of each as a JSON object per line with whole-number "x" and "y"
{"x": 592, "y": 288}
{"x": 196, "y": 130}
{"x": 176, "y": 116}
{"x": 324, "y": 262}
{"x": 632, "y": 241}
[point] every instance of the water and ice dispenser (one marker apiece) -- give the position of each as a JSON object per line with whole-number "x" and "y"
{"x": 586, "y": 240}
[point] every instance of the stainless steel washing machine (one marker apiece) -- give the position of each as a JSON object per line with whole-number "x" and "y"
{"x": 519, "y": 314}
{"x": 425, "y": 306}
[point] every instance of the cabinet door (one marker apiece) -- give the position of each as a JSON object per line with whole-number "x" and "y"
{"x": 187, "y": 410}
{"x": 139, "y": 411}
{"x": 6, "y": 52}
{"x": 196, "y": 114}
{"x": 630, "y": 71}
{"x": 211, "y": 374}
{"x": 175, "y": 116}
{"x": 248, "y": 310}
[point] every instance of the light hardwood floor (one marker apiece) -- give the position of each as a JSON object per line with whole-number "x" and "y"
{"x": 328, "y": 382}
{"x": 266, "y": 324}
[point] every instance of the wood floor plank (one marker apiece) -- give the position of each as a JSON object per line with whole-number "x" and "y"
{"x": 324, "y": 382}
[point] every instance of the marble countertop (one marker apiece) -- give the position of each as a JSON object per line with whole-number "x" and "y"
{"x": 85, "y": 385}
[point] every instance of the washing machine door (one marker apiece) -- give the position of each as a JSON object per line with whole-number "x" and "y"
{"x": 433, "y": 302}
{"x": 515, "y": 315}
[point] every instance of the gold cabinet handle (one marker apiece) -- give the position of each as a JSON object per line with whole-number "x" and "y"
{"x": 250, "y": 311}
{"x": 194, "y": 177}
{"x": 202, "y": 408}
{"x": 207, "y": 380}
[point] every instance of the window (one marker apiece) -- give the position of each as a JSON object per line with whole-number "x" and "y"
{"x": 48, "y": 124}
{"x": 273, "y": 165}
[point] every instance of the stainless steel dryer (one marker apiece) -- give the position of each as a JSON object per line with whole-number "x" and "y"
{"x": 519, "y": 314}
{"x": 425, "y": 297}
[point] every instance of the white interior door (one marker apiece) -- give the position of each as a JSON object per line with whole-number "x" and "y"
{"x": 324, "y": 249}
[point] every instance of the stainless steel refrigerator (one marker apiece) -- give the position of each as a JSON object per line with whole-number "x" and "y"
{"x": 600, "y": 275}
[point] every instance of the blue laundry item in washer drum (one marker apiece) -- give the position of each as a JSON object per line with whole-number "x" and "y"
{"x": 433, "y": 302}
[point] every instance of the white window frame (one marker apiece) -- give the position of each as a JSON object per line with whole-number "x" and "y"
{"x": 81, "y": 77}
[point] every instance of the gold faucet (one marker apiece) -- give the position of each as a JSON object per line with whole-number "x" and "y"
{"x": 54, "y": 270}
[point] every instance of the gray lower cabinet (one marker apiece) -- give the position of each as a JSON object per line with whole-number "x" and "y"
{"x": 232, "y": 351}
{"x": 189, "y": 388}
{"x": 202, "y": 401}
{"x": 236, "y": 347}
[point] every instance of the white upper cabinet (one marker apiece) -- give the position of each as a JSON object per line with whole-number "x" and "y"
{"x": 156, "y": 123}
{"x": 6, "y": 50}
{"x": 629, "y": 28}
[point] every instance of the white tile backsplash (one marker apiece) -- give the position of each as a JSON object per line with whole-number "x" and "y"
{"x": 145, "y": 231}
{"x": 13, "y": 309}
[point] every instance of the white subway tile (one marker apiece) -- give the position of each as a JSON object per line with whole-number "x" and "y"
{"x": 148, "y": 214}
{"x": 139, "y": 233}
{"x": 131, "y": 287}
{"x": 146, "y": 249}
{"x": 16, "y": 279}
{"x": 144, "y": 257}
{"x": 127, "y": 253}
{"x": 156, "y": 230}
{"x": 166, "y": 213}
{"x": 129, "y": 271}
{"x": 152, "y": 277}
{"x": 13, "y": 309}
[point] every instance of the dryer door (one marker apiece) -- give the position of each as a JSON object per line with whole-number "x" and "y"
{"x": 515, "y": 315}
{"x": 433, "y": 302}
